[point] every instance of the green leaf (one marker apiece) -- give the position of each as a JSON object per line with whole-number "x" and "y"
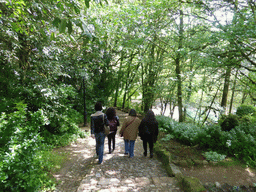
{"x": 69, "y": 25}
{"x": 87, "y": 3}
{"x": 52, "y": 36}
{"x": 63, "y": 25}
{"x": 56, "y": 22}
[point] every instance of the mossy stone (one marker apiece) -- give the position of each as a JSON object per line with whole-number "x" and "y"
{"x": 192, "y": 184}
{"x": 162, "y": 154}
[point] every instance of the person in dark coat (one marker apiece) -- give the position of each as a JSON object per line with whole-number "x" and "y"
{"x": 113, "y": 124}
{"x": 148, "y": 131}
{"x": 98, "y": 120}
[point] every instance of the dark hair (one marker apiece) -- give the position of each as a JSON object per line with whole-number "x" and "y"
{"x": 150, "y": 116}
{"x": 132, "y": 112}
{"x": 111, "y": 113}
{"x": 98, "y": 106}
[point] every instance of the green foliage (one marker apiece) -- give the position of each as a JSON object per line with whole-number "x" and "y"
{"x": 246, "y": 110}
{"x": 213, "y": 156}
{"x": 21, "y": 146}
{"x": 229, "y": 122}
{"x": 240, "y": 142}
{"x": 23, "y": 142}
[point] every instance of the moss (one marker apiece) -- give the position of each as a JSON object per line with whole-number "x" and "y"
{"x": 191, "y": 184}
{"x": 163, "y": 155}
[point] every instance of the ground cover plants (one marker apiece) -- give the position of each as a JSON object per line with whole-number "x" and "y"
{"x": 239, "y": 142}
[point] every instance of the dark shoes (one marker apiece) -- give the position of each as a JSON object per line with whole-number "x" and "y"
{"x": 145, "y": 154}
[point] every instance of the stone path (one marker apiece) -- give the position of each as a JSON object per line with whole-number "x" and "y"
{"x": 116, "y": 173}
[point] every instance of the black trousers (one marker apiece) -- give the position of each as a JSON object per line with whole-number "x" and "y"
{"x": 148, "y": 140}
{"x": 112, "y": 137}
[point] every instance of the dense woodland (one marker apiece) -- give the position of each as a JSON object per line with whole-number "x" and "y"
{"x": 58, "y": 58}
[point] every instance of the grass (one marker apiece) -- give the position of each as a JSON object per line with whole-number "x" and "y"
{"x": 55, "y": 159}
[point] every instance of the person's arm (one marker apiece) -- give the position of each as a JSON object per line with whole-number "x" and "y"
{"x": 123, "y": 126}
{"x": 141, "y": 127}
{"x": 156, "y": 128}
{"x": 92, "y": 126}
{"x": 118, "y": 123}
{"x": 106, "y": 122}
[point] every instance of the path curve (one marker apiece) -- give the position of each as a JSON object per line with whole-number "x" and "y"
{"x": 116, "y": 173}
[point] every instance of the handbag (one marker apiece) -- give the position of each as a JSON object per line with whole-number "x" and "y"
{"x": 106, "y": 128}
{"x": 122, "y": 134}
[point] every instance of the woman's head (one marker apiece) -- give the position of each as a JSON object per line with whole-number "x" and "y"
{"x": 98, "y": 106}
{"x": 111, "y": 113}
{"x": 133, "y": 113}
{"x": 150, "y": 116}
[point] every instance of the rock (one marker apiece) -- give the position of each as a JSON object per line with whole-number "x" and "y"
{"x": 183, "y": 163}
{"x": 217, "y": 184}
{"x": 190, "y": 162}
{"x": 205, "y": 162}
{"x": 192, "y": 184}
{"x": 176, "y": 171}
{"x": 142, "y": 181}
{"x": 198, "y": 162}
{"x": 176, "y": 162}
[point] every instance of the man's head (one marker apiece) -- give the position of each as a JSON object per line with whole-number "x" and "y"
{"x": 98, "y": 106}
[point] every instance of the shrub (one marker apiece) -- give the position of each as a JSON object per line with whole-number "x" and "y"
{"x": 239, "y": 142}
{"x": 213, "y": 156}
{"x": 21, "y": 166}
{"x": 246, "y": 110}
{"x": 229, "y": 122}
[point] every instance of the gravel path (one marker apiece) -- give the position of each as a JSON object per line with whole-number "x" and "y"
{"x": 117, "y": 172}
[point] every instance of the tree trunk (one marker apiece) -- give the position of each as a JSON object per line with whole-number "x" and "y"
{"x": 178, "y": 69}
{"x": 233, "y": 93}
{"x": 225, "y": 90}
{"x": 211, "y": 105}
{"x": 118, "y": 79}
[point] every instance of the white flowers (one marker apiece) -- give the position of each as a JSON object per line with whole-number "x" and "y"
{"x": 228, "y": 143}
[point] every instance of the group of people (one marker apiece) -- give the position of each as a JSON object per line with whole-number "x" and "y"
{"x": 147, "y": 129}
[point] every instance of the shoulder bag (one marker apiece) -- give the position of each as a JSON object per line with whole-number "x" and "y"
{"x": 106, "y": 128}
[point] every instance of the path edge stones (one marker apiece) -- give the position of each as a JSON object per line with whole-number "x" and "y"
{"x": 188, "y": 184}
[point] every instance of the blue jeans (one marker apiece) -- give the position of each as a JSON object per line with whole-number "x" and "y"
{"x": 129, "y": 147}
{"x": 100, "y": 138}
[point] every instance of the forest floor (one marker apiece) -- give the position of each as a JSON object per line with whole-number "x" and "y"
{"x": 228, "y": 174}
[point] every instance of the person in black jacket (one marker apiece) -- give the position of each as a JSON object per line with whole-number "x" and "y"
{"x": 148, "y": 131}
{"x": 113, "y": 124}
{"x": 98, "y": 120}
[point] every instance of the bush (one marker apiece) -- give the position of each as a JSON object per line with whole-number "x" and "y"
{"x": 21, "y": 165}
{"x": 229, "y": 122}
{"x": 246, "y": 110}
{"x": 239, "y": 142}
{"x": 213, "y": 156}
{"x": 23, "y": 141}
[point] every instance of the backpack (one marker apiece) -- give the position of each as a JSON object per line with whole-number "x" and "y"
{"x": 113, "y": 124}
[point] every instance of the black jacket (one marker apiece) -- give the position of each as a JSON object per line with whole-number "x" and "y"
{"x": 97, "y": 125}
{"x": 148, "y": 129}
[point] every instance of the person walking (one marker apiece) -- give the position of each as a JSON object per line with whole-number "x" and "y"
{"x": 113, "y": 124}
{"x": 129, "y": 131}
{"x": 148, "y": 131}
{"x": 98, "y": 120}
